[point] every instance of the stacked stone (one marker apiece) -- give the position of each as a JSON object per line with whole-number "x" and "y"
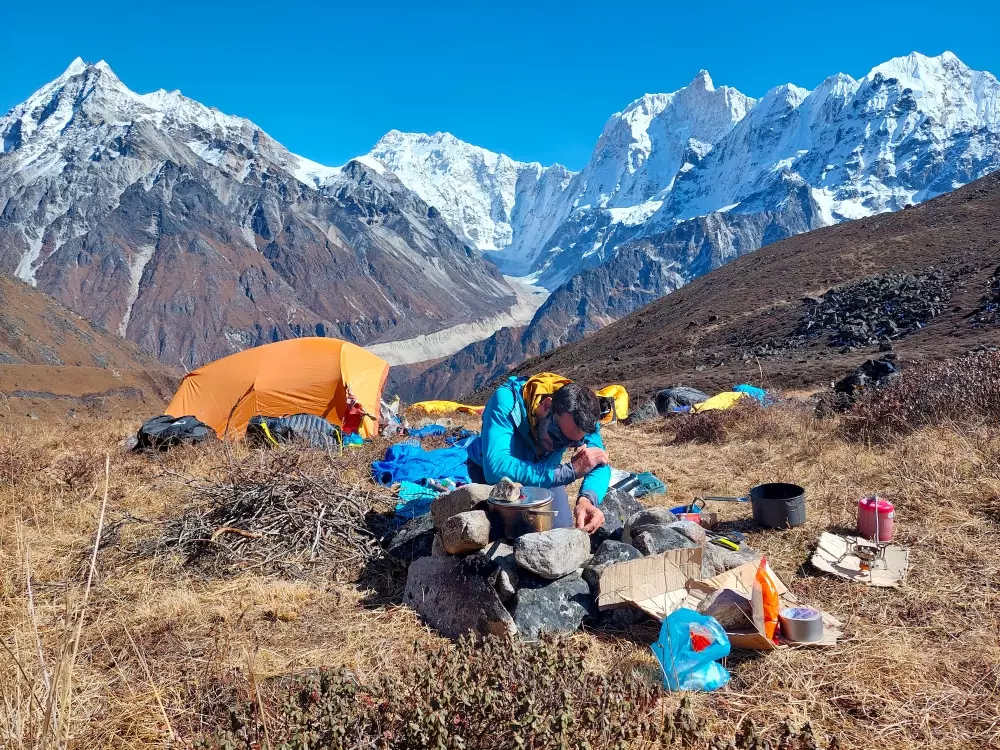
{"x": 463, "y": 577}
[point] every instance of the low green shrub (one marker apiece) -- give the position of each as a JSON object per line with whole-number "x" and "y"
{"x": 963, "y": 390}
{"x": 481, "y": 694}
{"x": 488, "y": 693}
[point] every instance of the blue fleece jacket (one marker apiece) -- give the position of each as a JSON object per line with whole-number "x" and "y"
{"x": 506, "y": 448}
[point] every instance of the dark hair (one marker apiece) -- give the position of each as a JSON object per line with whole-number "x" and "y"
{"x": 579, "y": 401}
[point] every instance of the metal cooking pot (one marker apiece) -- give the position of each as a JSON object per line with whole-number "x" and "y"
{"x": 776, "y": 505}
{"x": 531, "y": 512}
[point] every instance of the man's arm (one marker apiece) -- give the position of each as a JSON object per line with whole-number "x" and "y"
{"x": 499, "y": 434}
{"x": 595, "y": 485}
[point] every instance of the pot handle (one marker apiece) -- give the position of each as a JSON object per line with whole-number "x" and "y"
{"x": 534, "y": 512}
{"x": 727, "y": 499}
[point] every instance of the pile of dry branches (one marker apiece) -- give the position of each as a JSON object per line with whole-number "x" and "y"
{"x": 288, "y": 512}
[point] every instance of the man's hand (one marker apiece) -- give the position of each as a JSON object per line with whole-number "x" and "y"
{"x": 588, "y": 516}
{"x": 586, "y": 460}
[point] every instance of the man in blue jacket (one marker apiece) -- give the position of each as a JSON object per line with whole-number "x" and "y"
{"x": 528, "y": 447}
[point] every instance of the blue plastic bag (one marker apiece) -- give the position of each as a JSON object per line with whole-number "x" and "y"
{"x": 428, "y": 430}
{"x": 687, "y": 649}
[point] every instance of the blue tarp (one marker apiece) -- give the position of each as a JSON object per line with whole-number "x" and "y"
{"x": 407, "y": 462}
{"x": 415, "y": 499}
{"x": 758, "y": 394}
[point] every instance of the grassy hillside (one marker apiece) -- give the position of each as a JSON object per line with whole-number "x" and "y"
{"x": 149, "y": 652}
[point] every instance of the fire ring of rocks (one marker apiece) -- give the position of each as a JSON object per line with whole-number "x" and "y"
{"x": 473, "y": 580}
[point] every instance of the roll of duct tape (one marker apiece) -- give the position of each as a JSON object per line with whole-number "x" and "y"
{"x": 801, "y": 624}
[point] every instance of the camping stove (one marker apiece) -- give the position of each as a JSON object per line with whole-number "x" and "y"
{"x": 869, "y": 554}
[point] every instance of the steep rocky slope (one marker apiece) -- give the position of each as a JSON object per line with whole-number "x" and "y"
{"x": 194, "y": 234}
{"x": 745, "y": 320}
{"x": 53, "y": 362}
{"x": 912, "y": 128}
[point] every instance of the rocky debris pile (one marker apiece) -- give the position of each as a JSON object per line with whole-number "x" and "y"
{"x": 875, "y": 309}
{"x": 463, "y": 577}
{"x": 869, "y": 376}
{"x": 988, "y": 313}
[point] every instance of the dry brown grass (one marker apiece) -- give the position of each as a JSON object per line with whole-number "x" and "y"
{"x": 918, "y": 666}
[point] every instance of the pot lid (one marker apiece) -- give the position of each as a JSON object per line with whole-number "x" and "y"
{"x": 531, "y": 497}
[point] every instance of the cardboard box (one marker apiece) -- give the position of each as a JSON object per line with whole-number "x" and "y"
{"x": 659, "y": 584}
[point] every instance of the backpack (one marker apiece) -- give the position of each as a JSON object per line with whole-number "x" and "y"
{"x": 309, "y": 428}
{"x": 163, "y": 432}
{"x": 537, "y": 388}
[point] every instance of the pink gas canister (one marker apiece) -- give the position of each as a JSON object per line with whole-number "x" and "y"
{"x": 875, "y": 515}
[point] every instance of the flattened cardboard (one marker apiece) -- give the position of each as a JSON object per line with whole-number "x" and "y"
{"x": 654, "y": 584}
{"x": 660, "y": 584}
{"x": 887, "y": 574}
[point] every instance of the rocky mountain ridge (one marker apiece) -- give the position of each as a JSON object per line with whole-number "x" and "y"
{"x": 912, "y": 128}
{"x": 194, "y": 234}
{"x": 703, "y": 176}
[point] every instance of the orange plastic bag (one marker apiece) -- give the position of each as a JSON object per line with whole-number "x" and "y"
{"x": 769, "y": 597}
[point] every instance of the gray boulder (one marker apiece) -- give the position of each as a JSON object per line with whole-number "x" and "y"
{"x": 552, "y": 606}
{"x": 465, "y": 532}
{"x": 692, "y": 531}
{"x": 454, "y": 598}
{"x": 437, "y": 546}
{"x": 730, "y": 608}
{"x": 413, "y": 539}
{"x": 469, "y": 497}
{"x": 504, "y": 576}
{"x": 552, "y": 554}
{"x": 646, "y": 517}
{"x": 609, "y": 553}
{"x": 653, "y": 540}
{"x": 617, "y": 507}
{"x": 716, "y": 560}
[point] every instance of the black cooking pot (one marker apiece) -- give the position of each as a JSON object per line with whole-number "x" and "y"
{"x": 776, "y": 505}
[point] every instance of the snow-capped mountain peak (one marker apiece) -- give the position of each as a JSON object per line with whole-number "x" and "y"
{"x": 195, "y": 234}
{"x": 475, "y": 189}
{"x": 945, "y": 88}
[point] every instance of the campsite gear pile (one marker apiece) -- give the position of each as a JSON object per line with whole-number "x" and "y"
{"x": 861, "y": 560}
{"x": 475, "y": 572}
{"x": 683, "y": 400}
{"x": 637, "y": 484}
{"x": 409, "y": 462}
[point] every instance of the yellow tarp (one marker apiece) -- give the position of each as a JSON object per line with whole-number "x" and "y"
{"x": 298, "y": 376}
{"x": 443, "y": 407}
{"x": 620, "y": 395}
{"x": 724, "y": 400}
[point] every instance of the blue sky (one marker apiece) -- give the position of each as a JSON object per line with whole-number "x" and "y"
{"x": 536, "y": 80}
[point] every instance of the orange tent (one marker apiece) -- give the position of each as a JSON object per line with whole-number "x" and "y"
{"x": 307, "y": 375}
